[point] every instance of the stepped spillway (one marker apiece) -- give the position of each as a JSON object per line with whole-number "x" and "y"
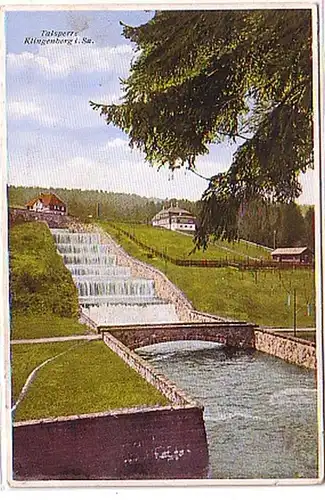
{"x": 108, "y": 294}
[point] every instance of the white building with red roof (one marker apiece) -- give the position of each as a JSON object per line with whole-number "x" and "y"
{"x": 47, "y": 203}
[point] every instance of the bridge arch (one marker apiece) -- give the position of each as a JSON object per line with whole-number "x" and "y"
{"x": 233, "y": 334}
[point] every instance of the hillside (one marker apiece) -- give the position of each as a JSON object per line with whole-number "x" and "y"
{"x": 180, "y": 246}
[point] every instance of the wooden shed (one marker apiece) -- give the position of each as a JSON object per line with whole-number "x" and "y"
{"x": 293, "y": 254}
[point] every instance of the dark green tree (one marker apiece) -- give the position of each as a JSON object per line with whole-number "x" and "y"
{"x": 291, "y": 226}
{"x": 202, "y": 77}
{"x": 310, "y": 228}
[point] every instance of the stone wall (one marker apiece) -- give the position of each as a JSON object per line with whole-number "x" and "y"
{"x": 150, "y": 443}
{"x": 159, "y": 381}
{"x": 291, "y": 349}
{"x": 17, "y": 215}
{"x": 230, "y": 334}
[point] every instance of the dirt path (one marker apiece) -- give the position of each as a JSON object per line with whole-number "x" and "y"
{"x": 45, "y": 340}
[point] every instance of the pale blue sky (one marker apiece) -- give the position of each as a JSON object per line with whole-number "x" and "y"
{"x": 56, "y": 139}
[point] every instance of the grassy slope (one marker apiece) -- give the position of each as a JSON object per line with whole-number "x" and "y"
{"x": 180, "y": 245}
{"x": 235, "y": 294}
{"x": 44, "y": 298}
{"x": 89, "y": 378}
{"x": 39, "y": 281}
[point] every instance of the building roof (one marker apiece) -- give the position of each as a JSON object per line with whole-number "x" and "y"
{"x": 173, "y": 211}
{"x": 47, "y": 199}
{"x": 289, "y": 251}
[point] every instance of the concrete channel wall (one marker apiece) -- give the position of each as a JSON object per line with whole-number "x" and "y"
{"x": 159, "y": 381}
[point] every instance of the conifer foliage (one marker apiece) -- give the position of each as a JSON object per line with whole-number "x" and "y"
{"x": 202, "y": 77}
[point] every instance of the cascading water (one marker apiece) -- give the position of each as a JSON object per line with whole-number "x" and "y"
{"x": 107, "y": 292}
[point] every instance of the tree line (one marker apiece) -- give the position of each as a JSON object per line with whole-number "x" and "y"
{"x": 88, "y": 204}
{"x": 279, "y": 225}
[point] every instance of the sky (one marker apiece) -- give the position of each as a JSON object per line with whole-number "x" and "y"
{"x": 55, "y": 139}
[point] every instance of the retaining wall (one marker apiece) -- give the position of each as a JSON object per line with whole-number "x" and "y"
{"x": 53, "y": 220}
{"x": 151, "y": 443}
{"x": 291, "y": 349}
{"x": 135, "y": 443}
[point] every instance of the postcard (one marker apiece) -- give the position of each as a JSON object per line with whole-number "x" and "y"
{"x": 164, "y": 286}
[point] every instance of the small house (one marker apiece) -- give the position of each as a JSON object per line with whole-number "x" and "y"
{"x": 298, "y": 254}
{"x": 47, "y": 203}
{"x": 175, "y": 219}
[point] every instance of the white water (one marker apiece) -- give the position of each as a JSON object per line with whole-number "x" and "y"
{"x": 82, "y": 270}
{"x": 107, "y": 292}
{"x": 122, "y": 314}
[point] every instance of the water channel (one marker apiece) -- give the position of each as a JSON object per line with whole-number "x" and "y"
{"x": 260, "y": 412}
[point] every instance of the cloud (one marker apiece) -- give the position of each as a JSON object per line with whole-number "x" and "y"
{"x": 109, "y": 165}
{"x": 50, "y": 110}
{"x": 22, "y": 109}
{"x": 61, "y": 61}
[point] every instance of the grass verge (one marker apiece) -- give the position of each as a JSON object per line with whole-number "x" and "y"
{"x": 90, "y": 378}
{"x": 39, "y": 281}
{"x": 24, "y": 326}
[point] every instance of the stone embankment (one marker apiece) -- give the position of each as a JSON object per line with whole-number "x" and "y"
{"x": 17, "y": 215}
{"x": 158, "y": 380}
{"x": 301, "y": 352}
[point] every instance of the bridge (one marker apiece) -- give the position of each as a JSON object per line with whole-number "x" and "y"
{"x": 231, "y": 334}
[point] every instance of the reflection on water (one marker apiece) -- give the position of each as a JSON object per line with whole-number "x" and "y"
{"x": 260, "y": 412}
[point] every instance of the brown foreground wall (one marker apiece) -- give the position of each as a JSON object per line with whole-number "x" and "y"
{"x": 293, "y": 350}
{"x": 154, "y": 443}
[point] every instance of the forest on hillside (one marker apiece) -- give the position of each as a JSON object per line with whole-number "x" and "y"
{"x": 278, "y": 225}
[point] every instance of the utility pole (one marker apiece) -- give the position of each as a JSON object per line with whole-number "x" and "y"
{"x": 294, "y": 312}
{"x": 274, "y": 238}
